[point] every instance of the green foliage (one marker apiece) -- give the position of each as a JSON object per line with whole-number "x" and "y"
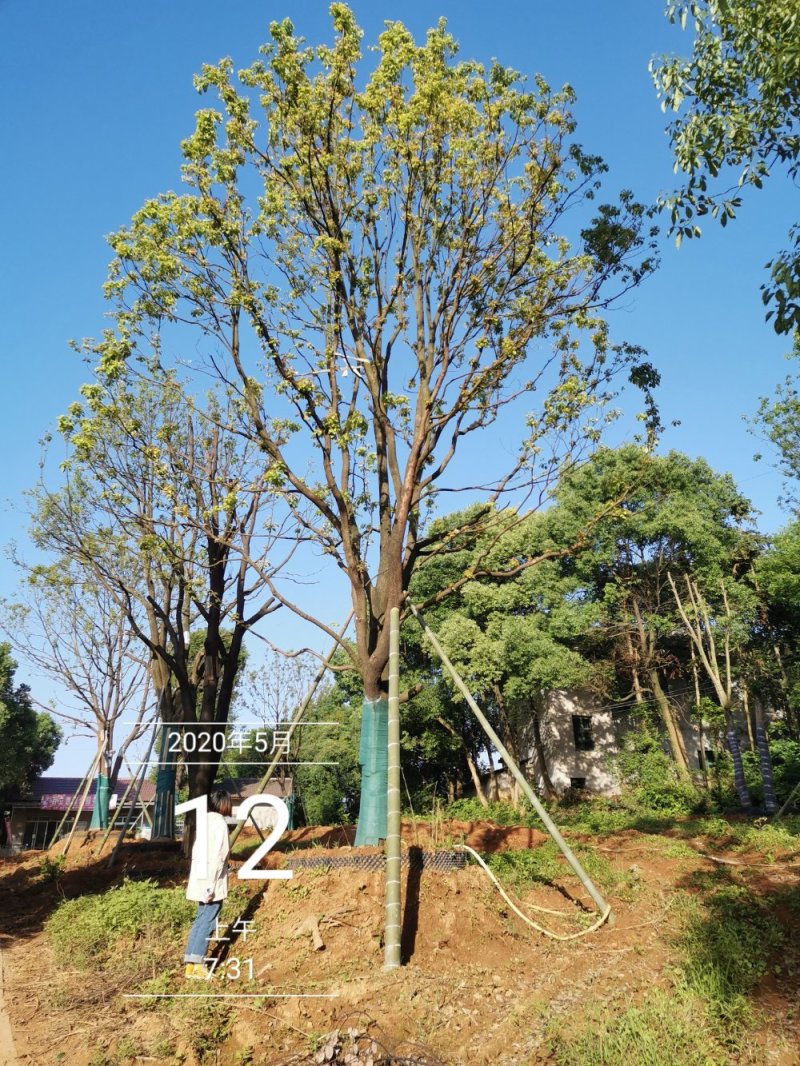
{"x": 50, "y": 869}
{"x": 546, "y": 864}
{"x": 329, "y": 795}
{"x": 778, "y": 419}
{"x": 472, "y": 809}
{"x": 737, "y": 101}
{"x": 651, "y": 781}
{"x": 785, "y": 756}
{"x": 518, "y": 868}
{"x": 345, "y": 208}
{"x": 89, "y": 929}
{"x": 30, "y": 738}
{"x": 726, "y": 946}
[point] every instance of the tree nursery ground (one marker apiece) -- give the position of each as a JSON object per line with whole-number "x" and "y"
{"x": 702, "y": 965}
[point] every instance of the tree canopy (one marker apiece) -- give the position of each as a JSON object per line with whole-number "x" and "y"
{"x": 737, "y": 101}
{"x": 379, "y": 263}
{"x": 30, "y": 737}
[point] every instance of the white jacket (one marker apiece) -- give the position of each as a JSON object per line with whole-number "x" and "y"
{"x": 213, "y": 873}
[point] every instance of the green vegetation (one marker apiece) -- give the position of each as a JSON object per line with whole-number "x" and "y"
{"x": 30, "y": 737}
{"x": 546, "y": 865}
{"x": 726, "y": 943}
{"x": 736, "y": 99}
{"x": 90, "y": 930}
{"x": 660, "y": 1030}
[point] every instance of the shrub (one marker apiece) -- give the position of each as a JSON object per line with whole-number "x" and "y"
{"x": 87, "y": 929}
{"x": 651, "y": 780}
{"x": 472, "y": 810}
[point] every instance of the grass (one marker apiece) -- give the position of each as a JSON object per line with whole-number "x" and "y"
{"x": 726, "y": 946}
{"x": 661, "y": 1030}
{"x": 91, "y": 929}
{"x": 546, "y": 865}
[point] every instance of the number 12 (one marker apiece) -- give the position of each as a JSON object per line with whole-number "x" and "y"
{"x": 247, "y": 872}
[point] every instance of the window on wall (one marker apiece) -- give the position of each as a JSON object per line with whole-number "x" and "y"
{"x": 582, "y": 730}
{"x": 577, "y": 782}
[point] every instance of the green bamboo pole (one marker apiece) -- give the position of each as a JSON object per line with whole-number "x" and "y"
{"x": 603, "y": 908}
{"x": 392, "y": 928}
{"x": 301, "y": 710}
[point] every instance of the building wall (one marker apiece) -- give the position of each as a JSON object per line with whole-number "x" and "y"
{"x": 593, "y": 770}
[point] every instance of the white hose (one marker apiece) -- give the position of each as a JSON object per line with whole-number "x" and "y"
{"x": 540, "y": 929}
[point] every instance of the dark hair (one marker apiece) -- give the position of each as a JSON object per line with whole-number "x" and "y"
{"x": 220, "y": 802}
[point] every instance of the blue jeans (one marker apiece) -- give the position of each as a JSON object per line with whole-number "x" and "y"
{"x": 201, "y": 931}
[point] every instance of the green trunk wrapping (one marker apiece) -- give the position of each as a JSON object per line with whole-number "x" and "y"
{"x": 164, "y": 813}
{"x": 373, "y": 757}
{"x": 100, "y": 812}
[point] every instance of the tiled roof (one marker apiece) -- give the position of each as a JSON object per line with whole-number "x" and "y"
{"x": 59, "y": 786}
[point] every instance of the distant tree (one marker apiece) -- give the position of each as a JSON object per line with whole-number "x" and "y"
{"x": 72, "y": 629}
{"x": 510, "y": 631}
{"x": 379, "y": 267}
{"x": 777, "y": 575}
{"x": 29, "y": 737}
{"x": 737, "y": 98}
{"x": 679, "y": 520}
{"x": 166, "y": 508}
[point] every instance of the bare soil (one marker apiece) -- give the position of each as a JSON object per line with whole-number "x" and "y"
{"x": 478, "y": 986}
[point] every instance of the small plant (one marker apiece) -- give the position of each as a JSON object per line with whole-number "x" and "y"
{"x": 126, "y": 1049}
{"x": 52, "y": 869}
{"x": 651, "y": 780}
{"x": 209, "y": 1024}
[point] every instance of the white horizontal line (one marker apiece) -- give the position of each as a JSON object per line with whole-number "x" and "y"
{"x": 230, "y": 995}
{"x": 225, "y": 725}
{"x": 155, "y": 762}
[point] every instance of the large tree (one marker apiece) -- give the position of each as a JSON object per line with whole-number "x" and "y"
{"x": 167, "y": 509}
{"x": 737, "y": 106}
{"x": 382, "y": 264}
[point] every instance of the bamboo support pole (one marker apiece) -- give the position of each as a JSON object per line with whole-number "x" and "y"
{"x": 131, "y": 783}
{"x": 298, "y": 716}
{"x": 139, "y": 782}
{"x": 81, "y": 805}
{"x": 603, "y": 908}
{"x": 392, "y": 927}
{"x": 88, "y": 774}
{"x": 793, "y": 795}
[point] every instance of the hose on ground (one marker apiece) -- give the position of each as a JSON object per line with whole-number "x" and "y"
{"x": 539, "y": 928}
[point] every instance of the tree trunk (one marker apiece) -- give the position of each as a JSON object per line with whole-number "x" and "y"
{"x": 547, "y": 782}
{"x": 473, "y": 769}
{"x": 164, "y": 812}
{"x": 673, "y": 733}
{"x": 373, "y": 760}
{"x": 99, "y": 818}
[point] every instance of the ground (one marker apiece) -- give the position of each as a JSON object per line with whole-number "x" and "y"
{"x": 699, "y": 966}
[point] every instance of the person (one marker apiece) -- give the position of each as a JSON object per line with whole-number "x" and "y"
{"x": 208, "y": 883}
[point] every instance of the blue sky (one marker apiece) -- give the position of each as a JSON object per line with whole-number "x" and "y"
{"x": 98, "y": 95}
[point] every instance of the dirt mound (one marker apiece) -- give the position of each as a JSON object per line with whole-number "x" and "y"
{"x": 477, "y": 986}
